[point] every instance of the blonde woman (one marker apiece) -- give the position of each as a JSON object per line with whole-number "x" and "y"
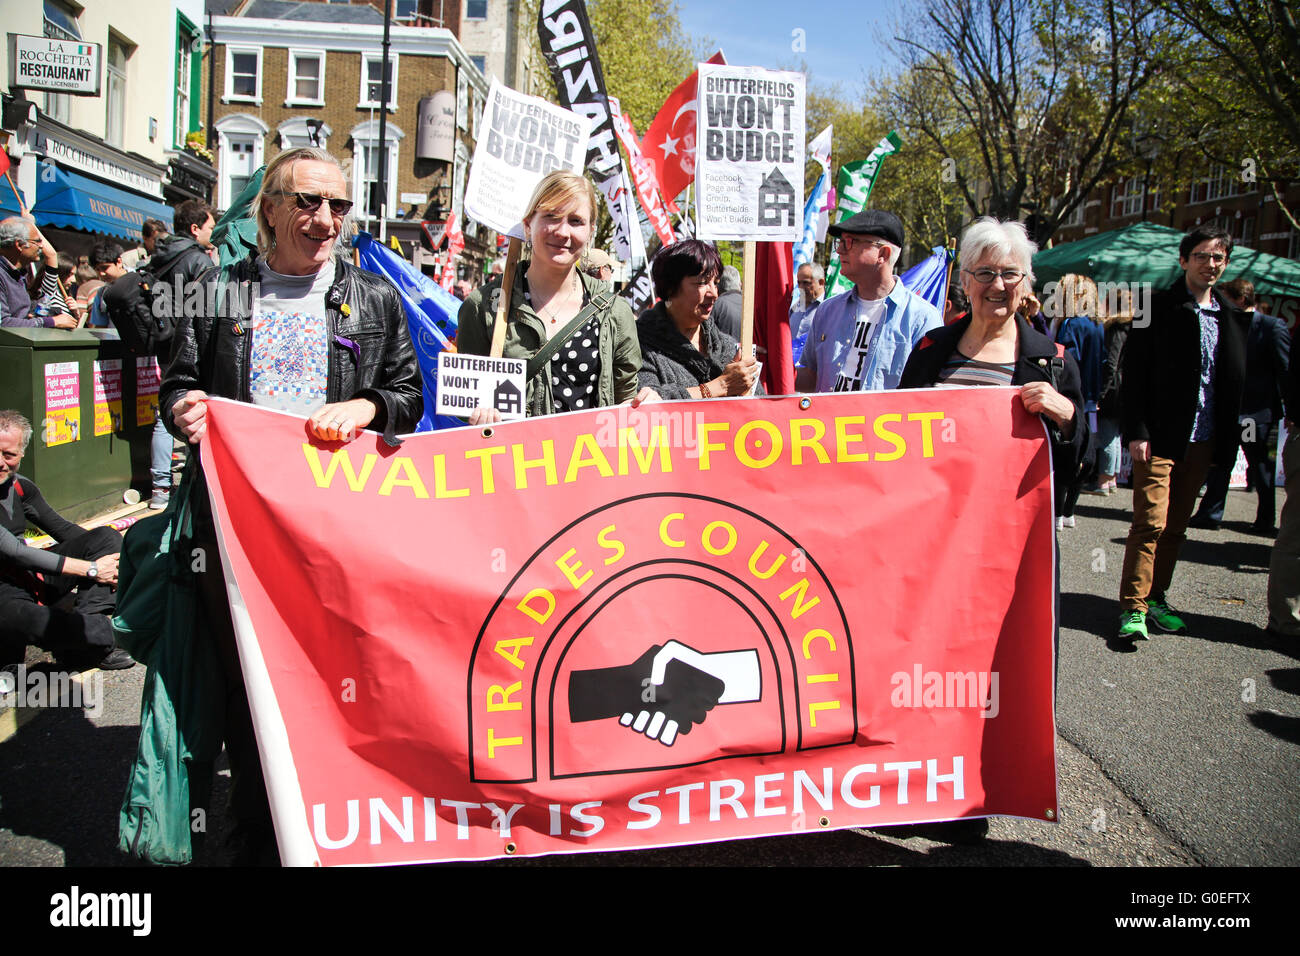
{"x": 1080, "y": 332}
{"x": 579, "y": 337}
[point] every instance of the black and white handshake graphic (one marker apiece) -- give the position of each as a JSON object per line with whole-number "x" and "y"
{"x": 667, "y": 690}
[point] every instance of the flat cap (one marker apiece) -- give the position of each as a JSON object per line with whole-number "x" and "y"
{"x": 872, "y": 222}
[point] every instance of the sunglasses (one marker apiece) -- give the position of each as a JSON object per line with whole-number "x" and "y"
{"x": 309, "y": 202}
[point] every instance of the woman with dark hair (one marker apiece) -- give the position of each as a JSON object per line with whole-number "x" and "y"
{"x": 683, "y": 354}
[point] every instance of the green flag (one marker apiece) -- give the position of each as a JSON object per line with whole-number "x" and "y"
{"x": 856, "y": 180}
{"x": 235, "y": 233}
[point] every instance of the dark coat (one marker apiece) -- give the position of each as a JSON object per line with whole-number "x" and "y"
{"x": 1268, "y": 355}
{"x": 670, "y": 364}
{"x": 177, "y": 257}
{"x": 371, "y": 355}
{"x": 1037, "y": 358}
{"x": 1162, "y": 374}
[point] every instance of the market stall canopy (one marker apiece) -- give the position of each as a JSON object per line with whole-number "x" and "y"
{"x": 1146, "y": 252}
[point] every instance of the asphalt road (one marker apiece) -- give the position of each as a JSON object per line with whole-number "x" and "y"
{"x": 1178, "y": 751}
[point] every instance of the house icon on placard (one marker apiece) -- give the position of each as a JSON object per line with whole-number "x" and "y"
{"x": 775, "y": 196}
{"x": 507, "y": 399}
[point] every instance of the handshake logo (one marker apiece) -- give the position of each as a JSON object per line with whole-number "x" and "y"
{"x": 667, "y": 690}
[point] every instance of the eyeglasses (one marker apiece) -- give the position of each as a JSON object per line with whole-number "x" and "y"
{"x": 310, "y": 202}
{"x": 1218, "y": 258}
{"x": 984, "y": 276}
{"x": 844, "y": 241}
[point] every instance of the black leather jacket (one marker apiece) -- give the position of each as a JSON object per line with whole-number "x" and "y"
{"x": 370, "y": 347}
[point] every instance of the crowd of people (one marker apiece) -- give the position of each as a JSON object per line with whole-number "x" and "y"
{"x": 332, "y": 345}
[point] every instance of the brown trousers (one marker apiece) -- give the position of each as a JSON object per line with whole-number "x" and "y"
{"x": 1164, "y": 495}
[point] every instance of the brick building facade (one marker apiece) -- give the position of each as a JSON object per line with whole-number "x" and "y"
{"x": 283, "y": 75}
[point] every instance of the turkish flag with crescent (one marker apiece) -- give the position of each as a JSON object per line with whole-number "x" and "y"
{"x": 669, "y": 143}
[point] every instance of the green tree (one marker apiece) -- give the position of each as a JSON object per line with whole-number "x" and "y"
{"x": 1026, "y": 102}
{"x": 1235, "y": 99}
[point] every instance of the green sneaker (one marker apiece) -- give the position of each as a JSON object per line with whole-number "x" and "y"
{"x": 1133, "y": 626}
{"x": 1160, "y": 614}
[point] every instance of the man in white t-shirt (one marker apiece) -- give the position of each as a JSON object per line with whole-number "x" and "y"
{"x": 860, "y": 339}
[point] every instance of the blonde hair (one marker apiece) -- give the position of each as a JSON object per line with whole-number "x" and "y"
{"x": 1079, "y": 296}
{"x": 559, "y": 187}
{"x": 277, "y": 180}
{"x": 1123, "y": 311}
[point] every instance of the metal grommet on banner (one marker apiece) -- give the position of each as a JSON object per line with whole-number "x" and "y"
{"x": 824, "y": 821}
{"x": 510, "y": 848}
{"x": 488, "y": 433}
{"x": 805, "y": 402}
{"x": 1050, "y": 814}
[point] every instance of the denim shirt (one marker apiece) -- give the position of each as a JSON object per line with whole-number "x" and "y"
{"x": 907, "y": 318}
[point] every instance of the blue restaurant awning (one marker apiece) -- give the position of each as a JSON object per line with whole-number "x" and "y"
{"x": 73, "y": 201}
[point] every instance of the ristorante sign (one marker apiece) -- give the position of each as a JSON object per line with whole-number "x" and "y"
{"x": 619, "y": 629}
{"x": 58, "y": 66}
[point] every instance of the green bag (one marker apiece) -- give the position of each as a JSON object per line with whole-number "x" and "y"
{"x": 157, "y": 622}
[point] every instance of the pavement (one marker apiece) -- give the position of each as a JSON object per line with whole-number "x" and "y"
{"x": 1179, "y": 751}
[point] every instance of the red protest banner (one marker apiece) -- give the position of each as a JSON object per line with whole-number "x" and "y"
{"x": 689, "y": 622}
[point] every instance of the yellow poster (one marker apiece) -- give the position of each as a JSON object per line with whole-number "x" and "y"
{"x": 108, "y": 396}
{"x": 147, "y": 380}
{"x": 62, "y": 403}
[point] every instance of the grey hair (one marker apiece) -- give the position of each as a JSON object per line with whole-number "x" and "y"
{"x": 12, "y": 419}
{"x": 818, "y": 273}
{"x": 988, "y": 236}
{"x": 277, "y": 179}
{"x": 729, "y": 281}
{"x": 14, "y": 230}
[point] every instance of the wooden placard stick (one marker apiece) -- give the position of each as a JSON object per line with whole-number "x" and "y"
{"x": 503, "y": 301}
{"x": 747, "y": 302}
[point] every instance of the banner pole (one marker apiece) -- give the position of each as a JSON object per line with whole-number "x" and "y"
{"x": 503, "y": 301}
{"x": 747, "y": 307}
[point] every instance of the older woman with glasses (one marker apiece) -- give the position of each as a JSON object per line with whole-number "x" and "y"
{"x": 996, "y": 346}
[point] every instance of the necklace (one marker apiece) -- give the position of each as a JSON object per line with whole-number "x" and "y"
{"x": 556, "y": 302}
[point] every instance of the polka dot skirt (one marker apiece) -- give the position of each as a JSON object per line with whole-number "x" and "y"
{"x": 575, "y": 370}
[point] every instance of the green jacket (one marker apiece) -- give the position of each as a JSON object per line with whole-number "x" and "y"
{"x": 620, "y": 350}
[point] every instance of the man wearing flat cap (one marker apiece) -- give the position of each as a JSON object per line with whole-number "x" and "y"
{"x": 860, "y": 339}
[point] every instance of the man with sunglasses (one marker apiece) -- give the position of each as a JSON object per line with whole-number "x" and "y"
{"x": 299, "y": 329}
{"x": 1184, "y": 368}
{"x": 860, "y": 339}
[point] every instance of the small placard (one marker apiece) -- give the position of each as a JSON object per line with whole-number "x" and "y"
{"x": 466, "y": 382}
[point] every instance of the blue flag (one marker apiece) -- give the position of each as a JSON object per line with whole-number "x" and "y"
{"x": 430, "y": 314}
{"x": 929, "y": 278}
{"x": 803, "y": 249}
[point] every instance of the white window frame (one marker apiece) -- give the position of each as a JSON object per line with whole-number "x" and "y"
{"x": 115, "y": 119}
{"x": 367, "y": 135}
{"x": 481, "y": 19}
{"x": 230, "y": 95}
{"x": 1219, "y": 184}
{"x": 294, "y": 133}
{"x": 243, "y": 126}
{"x": 291, "y": 97}
{"x": 362, "y": 102}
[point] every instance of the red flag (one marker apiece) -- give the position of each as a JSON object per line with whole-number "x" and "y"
{"x": 4, "y": 162}
{"x": 773, "y": 286}
{"x": 455, "y": 245}
{"x": 669, "y": 143}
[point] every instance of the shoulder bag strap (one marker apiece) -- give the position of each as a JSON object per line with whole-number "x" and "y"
{"x": 599, "y": 301}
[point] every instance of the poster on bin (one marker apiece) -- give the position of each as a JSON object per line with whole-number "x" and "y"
{"x": 148, "y": 379}
{"x": 749, "y": 161}
{"x": 108, "y": 396}
{"x": 62, "y": 403}
{"x": 628, "y": 634}
{"x": 521, "y": 138}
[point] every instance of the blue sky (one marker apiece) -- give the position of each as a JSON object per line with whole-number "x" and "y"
{"x": 843, "y": 43}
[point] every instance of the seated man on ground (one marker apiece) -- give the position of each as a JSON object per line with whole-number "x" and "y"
{"x": 33, "y": 581}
